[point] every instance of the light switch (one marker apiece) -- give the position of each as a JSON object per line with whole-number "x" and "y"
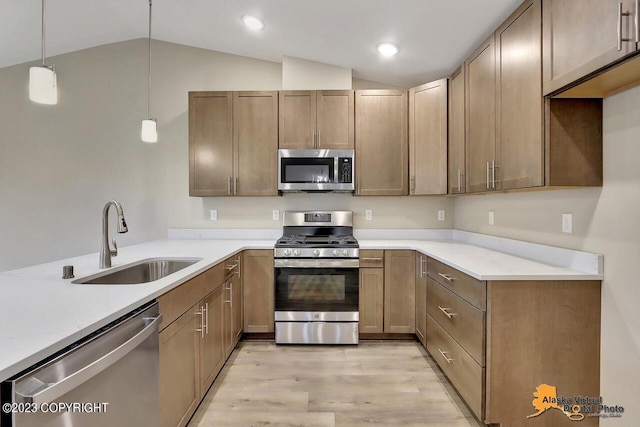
{"x": 491, "y": 218}
{"x": 368, "y": 214}
{"x": 567, "y": 223}
{"x": 441, "y": 215}
{"x": 276, "y": 214}
{"x": 213, "y": 215}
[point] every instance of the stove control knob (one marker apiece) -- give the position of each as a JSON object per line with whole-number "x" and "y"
{"x": 296, "y": 252}
{"x": 287, "y": 252}
{"x": 345, "y": 252}
{"x": 316, "y": 252}
{"x": 336, "y": 252}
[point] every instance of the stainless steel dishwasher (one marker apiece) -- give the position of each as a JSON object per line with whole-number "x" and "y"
{"x": 108, "y": 379}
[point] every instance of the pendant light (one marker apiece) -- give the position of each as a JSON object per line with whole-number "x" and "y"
{"x": 149, "y": 126}
{"x": 43, "y": 86}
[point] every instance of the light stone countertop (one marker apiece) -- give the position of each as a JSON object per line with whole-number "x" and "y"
{"x": 41, "y": 313}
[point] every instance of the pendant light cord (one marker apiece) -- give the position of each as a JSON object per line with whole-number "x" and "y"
{"x": 149, "y": 68}
{"x": 43, "y": 29}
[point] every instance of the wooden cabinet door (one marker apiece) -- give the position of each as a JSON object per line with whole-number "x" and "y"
{"x": 297, "y": 119}
{"x": 210, "y": 143}
{"x": 428, "y": 138}
{"x": 421, "y": 298}
{"x": 255, "y": 142}
{"x": 237, "y": 301}
{"x": 399, "y": 291}
{"x": 580, "y": 36}
{"x": 258, "y": 272}
{"x": 335, "y": 119}
{"x": 227, "y": 321}
{"x": 382, "y": 166}
{"x": 212, "y": 355}
{"x": 480, "y": 73}
{"x": 456, "y": 158}
{"x": 179, "y": 370}
{"x": 371, "y": 300}
{"x": 519, "y": 102}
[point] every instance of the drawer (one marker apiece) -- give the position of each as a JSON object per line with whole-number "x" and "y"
{"x": 232, "y": 265}
{"x": 463, "y": 372}
{"x": 470, "y": 289}
{"x": 464, "y": 322}
{"x": 371, "y": 258}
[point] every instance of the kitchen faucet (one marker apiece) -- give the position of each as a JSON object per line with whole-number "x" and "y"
{"x": 105, "y": 251}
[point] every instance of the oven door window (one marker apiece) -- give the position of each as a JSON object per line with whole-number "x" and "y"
{"x": 307, "y": 171}
{"x": 316, "y": 289}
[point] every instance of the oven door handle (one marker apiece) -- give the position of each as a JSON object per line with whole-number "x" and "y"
{"x": 316, "y": 263}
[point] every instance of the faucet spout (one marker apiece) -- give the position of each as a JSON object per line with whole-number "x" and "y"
{"x": 105, "y": 250}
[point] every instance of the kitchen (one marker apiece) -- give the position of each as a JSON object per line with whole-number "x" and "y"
{"x": 82, "y": 153}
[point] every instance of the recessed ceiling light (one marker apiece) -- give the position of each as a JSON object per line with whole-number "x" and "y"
{"x": 387, "y": 49}
{"x": 252, "y": 22}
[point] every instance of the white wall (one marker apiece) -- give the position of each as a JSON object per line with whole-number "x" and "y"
{"x": 302, "y": 74}
{"x": 605, "y": 220}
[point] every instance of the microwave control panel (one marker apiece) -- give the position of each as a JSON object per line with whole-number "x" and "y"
{"x": 345, "y": 169}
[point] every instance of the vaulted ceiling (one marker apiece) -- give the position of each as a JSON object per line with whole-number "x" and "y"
{"x": 434, "y": 36}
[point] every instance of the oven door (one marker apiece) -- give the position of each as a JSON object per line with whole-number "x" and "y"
{"x": 316, "y": 289}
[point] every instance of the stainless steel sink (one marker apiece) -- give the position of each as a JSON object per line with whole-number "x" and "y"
{"x": 144, "y": 271}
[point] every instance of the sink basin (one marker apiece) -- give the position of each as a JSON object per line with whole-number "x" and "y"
{"x": 144, "y": 271}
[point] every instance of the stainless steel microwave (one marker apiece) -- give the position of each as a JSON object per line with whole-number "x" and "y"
{"x": 316, "y": 170}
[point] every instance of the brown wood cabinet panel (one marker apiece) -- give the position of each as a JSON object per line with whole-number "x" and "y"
{"x": 297, "y": 119}
{"x": 371, "y": 300}
{"x": 464, "y": 373}
{"x": 464, "y": 322}
{"x": 371, "y": 258}
{"x": 179, "y": 370}
{"x": 421, "y": 298}
{"x": 210, "y": 143}
{"x": 229, "y": 333}
{"x": 255, "y": 141}
{"x": 543, "y": 332}
{"x": 212, "y": 355}
{"x": 580, "y": 37}
{"x": 237, "y": 300}
{"x": 399, "y": 291}
{"x": 480, "y": 75}
{"x": 519, "y": 102}
{"x": 335, "y": 119}
{"x": 456, "y": 157}
{"x": 259, "y": 291}
{"x": 382, "y": 165}
{"x": 428, "y": 138}
{"x": 469, "y": 288}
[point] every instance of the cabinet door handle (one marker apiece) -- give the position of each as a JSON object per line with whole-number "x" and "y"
{"x": 201, "y": 328}
{"x": 235, "y": 187}
{"x": 446, "y": 277}
{"x": 620, "y": 15}
{"x": 318, "y": 146}
{"x": 423, "y": 261}
{"x": 229, "y": 186}
{"x": 493, "y": 174}
{"x": 458, "y": 180}
{"x": 230, "y": 267}
{"x": 230, "y": 300}
{"x": 444, "y": 353}
{"x": 488, "y": 175}
{"x": 238, "y": 265}
{"x": 446, "y": 312}
{"x": 206, "y": 311}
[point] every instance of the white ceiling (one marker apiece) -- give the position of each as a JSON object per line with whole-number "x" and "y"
{"x": 434, "y": 36}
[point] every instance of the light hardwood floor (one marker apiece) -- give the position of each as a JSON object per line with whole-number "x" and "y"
{"x": 375, "y": 383}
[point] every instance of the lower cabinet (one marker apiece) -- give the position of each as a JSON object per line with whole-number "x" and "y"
{"x": 212, "y": 351}
{"x": 399, "y": 292}
{"x": 421, "y": 298}
{"x": 258, "y": 291}
{"x": 371, "y": 293}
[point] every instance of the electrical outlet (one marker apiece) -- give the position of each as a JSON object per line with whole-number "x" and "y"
{"x": 491, "y": 218}
{"x": 213, "y": 215}
{"x": 441, "y": 215}
{"x": 567, "y": 223}
{"x": 276, "y": 214}
{"x": 368, "y": 214}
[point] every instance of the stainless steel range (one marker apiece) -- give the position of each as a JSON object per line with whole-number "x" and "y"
{"x": 316, "y": 279}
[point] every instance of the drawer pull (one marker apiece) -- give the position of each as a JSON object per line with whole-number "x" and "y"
{"x": 444, "y": 354}
{"x": 230, "y": 267}
{"x": 446, "y": 277}
{"x": 446, "y": 313}
{"x": 371, "y": 259}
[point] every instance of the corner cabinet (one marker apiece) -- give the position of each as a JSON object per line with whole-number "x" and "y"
{"x": 382, "y": 164}
{"x": 316, "y": 119}
{"x": 428, "y": 138}
{"x": 233, "y": 141}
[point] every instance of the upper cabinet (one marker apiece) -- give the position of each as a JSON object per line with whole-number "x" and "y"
{"x": 428, "y": 138}
{"x": 316, "y": 119}
{"x": 456, "y": 157}
{"x": 382, "y": 165}
{"x": 583, "y": 36}
{"x": 233, "y": 140}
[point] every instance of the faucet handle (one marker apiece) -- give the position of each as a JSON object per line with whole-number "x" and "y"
{"x": 114, "y": 251}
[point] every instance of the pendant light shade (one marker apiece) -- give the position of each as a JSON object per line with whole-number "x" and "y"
{"x": 43, "y": 85}
{"x": 149, "y": 131}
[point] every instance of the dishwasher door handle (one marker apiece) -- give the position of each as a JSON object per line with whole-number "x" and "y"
{"x": 55, "y": 390}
